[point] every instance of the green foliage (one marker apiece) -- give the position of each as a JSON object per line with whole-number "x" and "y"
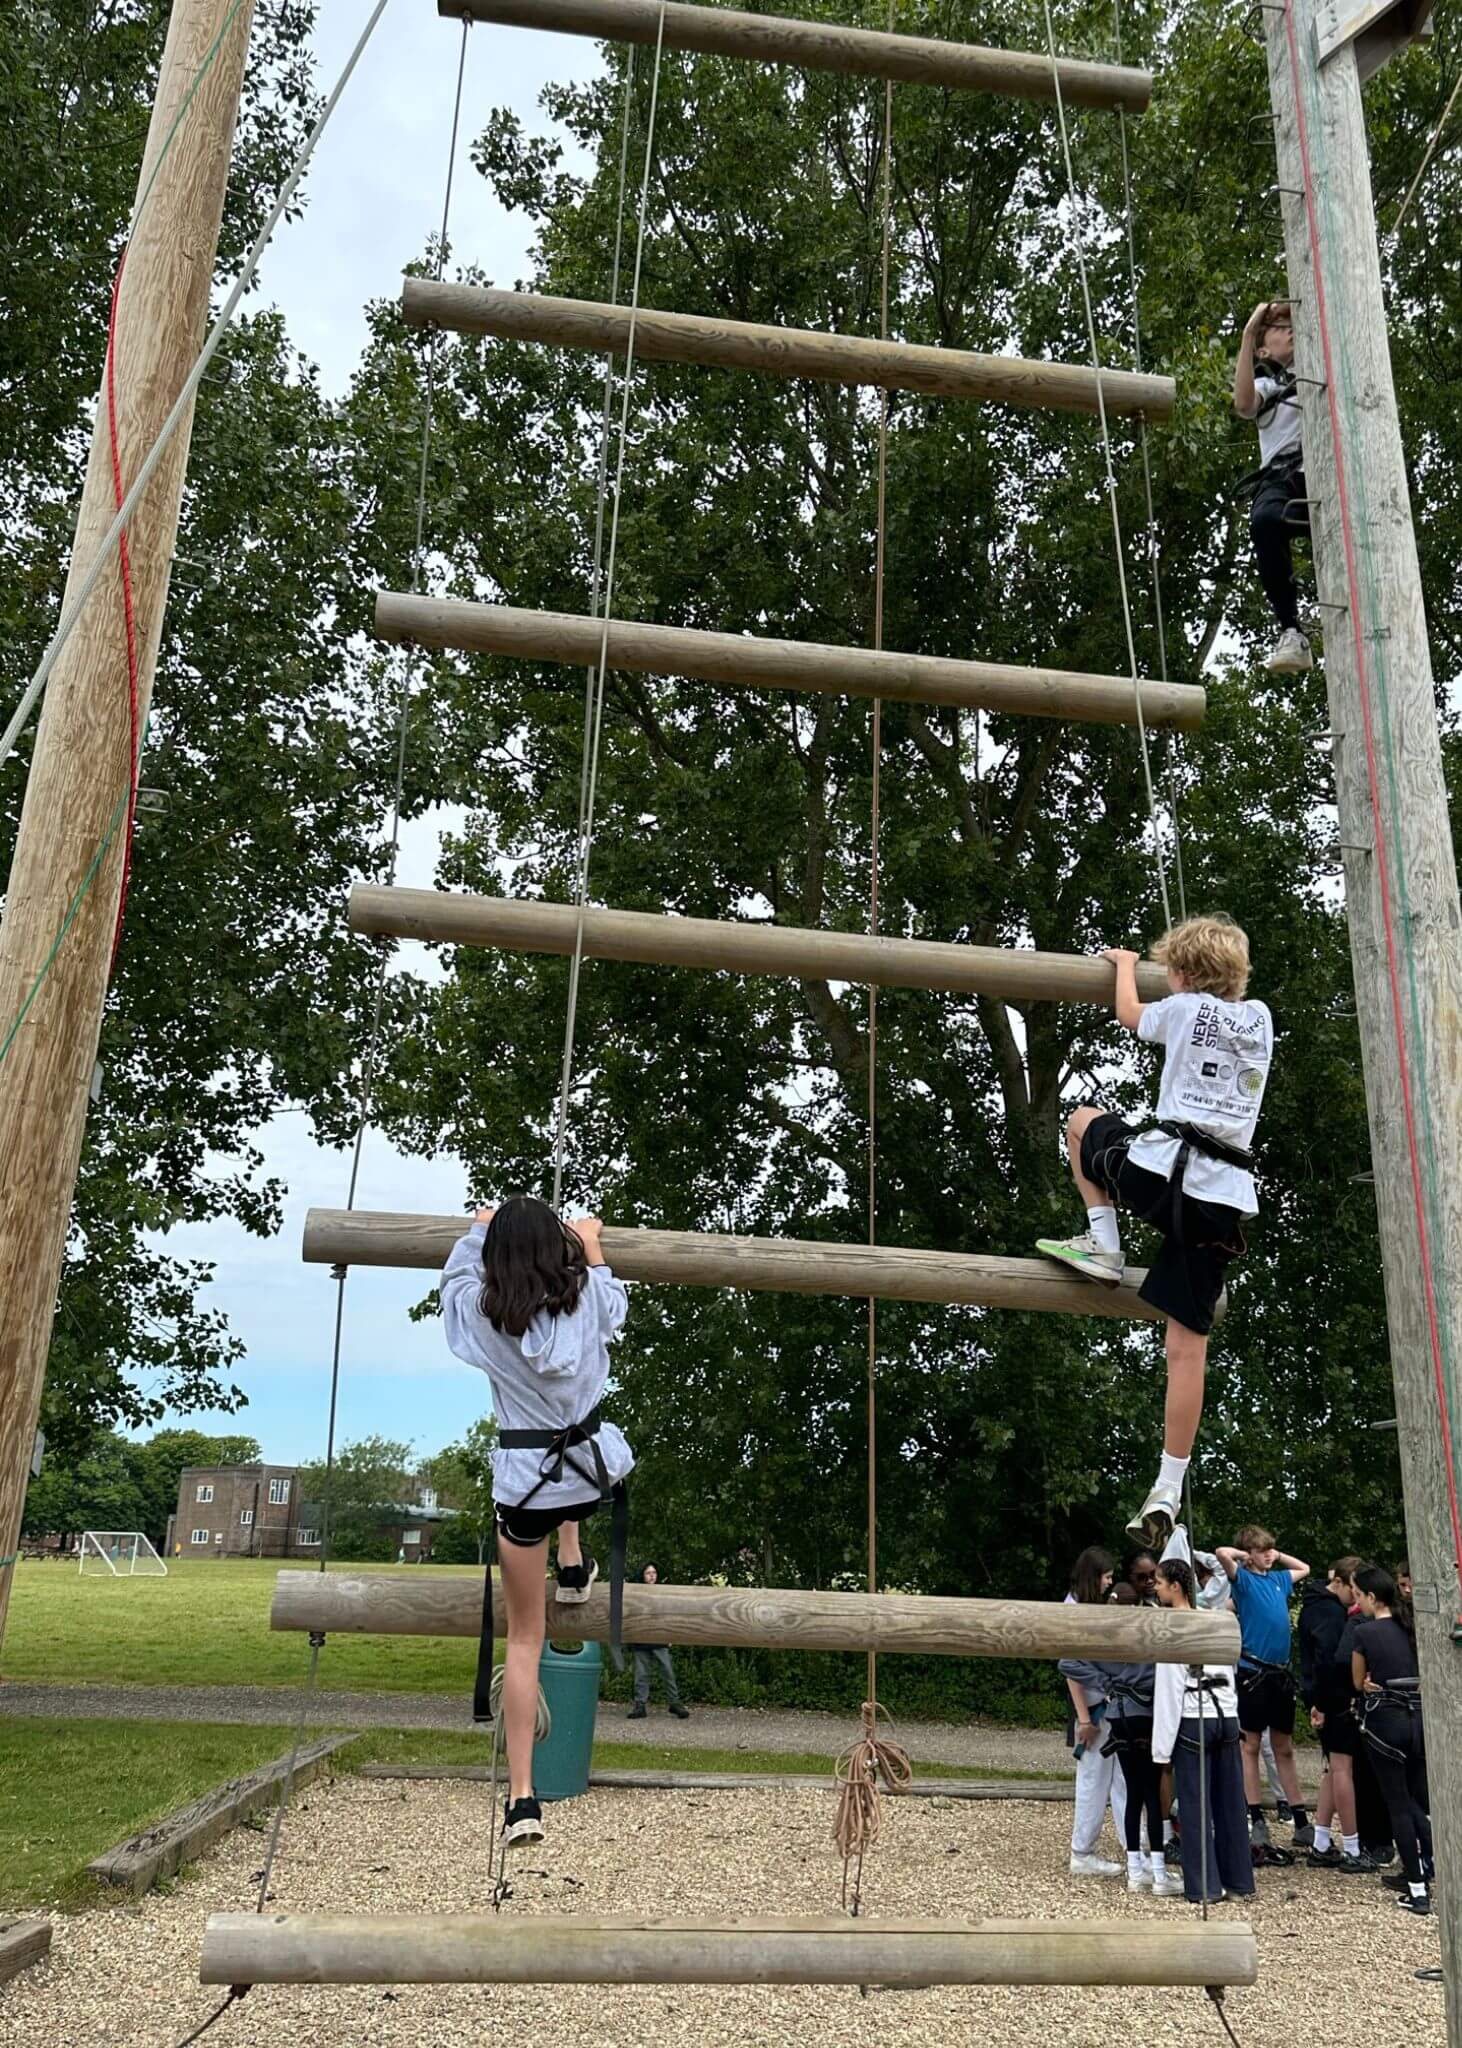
{"x": 462, "y": 1475}
{"x": 118, "y": 1484}
{"x": 361, "y": 1497}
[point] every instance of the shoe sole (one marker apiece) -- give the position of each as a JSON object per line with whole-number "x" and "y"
{"x": 1153, "y": 1528}
{"x": 523, "y": 1833}
{"x": 1073, "y": 1265}
{"x": 573, "y": 1596}
{"x": 1289, "y": 668}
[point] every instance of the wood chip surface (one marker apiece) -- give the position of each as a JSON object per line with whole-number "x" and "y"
{"x": 1336, "y": 1956}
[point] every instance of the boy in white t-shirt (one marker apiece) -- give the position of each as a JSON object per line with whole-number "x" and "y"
{"x": 1184, "y": 1170}
{"x": 1265, "y": 391}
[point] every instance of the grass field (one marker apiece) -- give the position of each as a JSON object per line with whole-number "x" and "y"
{"x": 204, "y": 1624}
{"x": 70, "y": 1789}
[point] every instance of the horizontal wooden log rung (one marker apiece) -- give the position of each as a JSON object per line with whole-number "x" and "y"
{"x": 551, "y": 1948}
{"x": 526, "y": 925}
{"x": 763, "y": 1265}
{"x": 747, "y": 661}
{"x": 783, "y": 351}
{"x": 824, "y": 46}
{"x": 765, "y": 1618}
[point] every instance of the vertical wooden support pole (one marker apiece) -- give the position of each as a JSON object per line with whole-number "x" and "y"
{"x": 81, "y": 763}
{"x": 1400, "y": 873}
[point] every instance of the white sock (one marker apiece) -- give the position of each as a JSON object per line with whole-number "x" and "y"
{"x": 1103, "y": 1225}
{"x": 1134, "y": 1863}
{"x": 1169, "y": 1835}
{"x": 1173, "y": 1471}
{"x": 1418, "y": 1891}
{"x": 1159, "y": 1863}
{"x": 1349, "y": 1843}
{"x": 1322, "y": 1837}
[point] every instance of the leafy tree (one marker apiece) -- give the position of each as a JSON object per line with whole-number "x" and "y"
{"x": 462, "y": 1476}
{"x": 99, "y": 1490}
{"x": 361, "y": 1496}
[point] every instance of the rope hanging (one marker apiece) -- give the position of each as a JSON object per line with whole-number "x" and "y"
{"x": 869, "y": 1762}
{"x": 594, "y": 693}
{"x": 1079, "y": 252}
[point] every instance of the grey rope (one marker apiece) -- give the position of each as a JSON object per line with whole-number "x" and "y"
{"x": 594, "y": 695}
{"x": 1154, "y": 550}
{"x": 182, "y": 404}
{"x": 1079, "y": 252}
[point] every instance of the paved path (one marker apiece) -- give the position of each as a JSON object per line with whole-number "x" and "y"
{"x": 990, "y": 1748}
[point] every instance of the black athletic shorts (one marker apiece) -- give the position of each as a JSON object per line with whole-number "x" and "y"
{"x": 1266, "y": 1700}
{"x": 1340, "y": 1736}
{"x": 527, "y": 1526}
{"x": 1185, "y": 1280}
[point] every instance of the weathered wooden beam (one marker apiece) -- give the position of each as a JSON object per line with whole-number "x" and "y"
{"x": 766, "y": 1618}
{"x": 551, "y": 1948}
{"x": 754, "y": 663}
{"x": 525, "y": 925}
{"x": 763, "y": 1265}
{"x": 1032, "y": 1791}
{"x": 781, "y": 351}
{"x": 22, "y": 1942}
{"x": 824, "y": 46}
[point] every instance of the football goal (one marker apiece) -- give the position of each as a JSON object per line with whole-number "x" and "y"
{"x": 122, "y": 1553}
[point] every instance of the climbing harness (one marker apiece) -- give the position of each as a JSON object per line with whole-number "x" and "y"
{"x": 1401, "y": 1695}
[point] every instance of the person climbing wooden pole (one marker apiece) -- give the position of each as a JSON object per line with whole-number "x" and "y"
{"x": 68, "y": 853}
{"x": 1400, "y": 872}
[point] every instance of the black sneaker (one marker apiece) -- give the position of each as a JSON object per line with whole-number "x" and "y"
{"x": 574, "y": 1582}
{"x": 1358, "y": 1866}
{"x": 637, "y": 1712}
{"x": 1415, "y": 1902}
{"x": 1304, "y": 1836}
{"x": 681, "y": 1713}
{"x": 1283, "y": 1811}
{"x": 522, "y": 1822}
{"x": 1330, "y": 1859}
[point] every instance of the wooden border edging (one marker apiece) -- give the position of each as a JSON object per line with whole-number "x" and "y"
{"x": 168, "y": 1844}
{"x": 824, "y": 46}
{"x": 1034, "y": 1789}
{"x": 22, "y": 1942}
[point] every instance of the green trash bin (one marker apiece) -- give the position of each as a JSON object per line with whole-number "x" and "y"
{"x": 570, "y": 1680}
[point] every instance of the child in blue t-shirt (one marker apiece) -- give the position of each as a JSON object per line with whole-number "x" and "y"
{"x": 1263, "y": 1581}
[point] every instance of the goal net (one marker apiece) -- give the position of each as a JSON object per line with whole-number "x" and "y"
{"x": 120, "y": 1554}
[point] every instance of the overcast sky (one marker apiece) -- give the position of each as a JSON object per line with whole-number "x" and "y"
{"x": 374, "y": 196}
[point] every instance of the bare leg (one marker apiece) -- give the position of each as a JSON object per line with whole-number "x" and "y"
{"x": 1342, "y": 1783}
{"x": 1093, "y": 1196}
{"x": 570, "y": 1550}
{"x": 1289, "y": 1775}
{"x": 523, "y": 1570}
{"x": 1187, "y": 1362}
{"x": 1325, "y": 1804}
{"x": 1251, "y": 1766}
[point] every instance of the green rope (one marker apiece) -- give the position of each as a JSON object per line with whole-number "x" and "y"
{"x": 1374, "y": 635}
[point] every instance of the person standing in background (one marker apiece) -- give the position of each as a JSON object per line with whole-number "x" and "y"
{"x": 648, "y": 1654}
{"x": 1098, "y": 1781}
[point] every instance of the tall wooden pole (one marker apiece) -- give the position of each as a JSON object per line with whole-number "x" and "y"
{"x": 81, "y": 764}
{"x": 1400, "y": 874}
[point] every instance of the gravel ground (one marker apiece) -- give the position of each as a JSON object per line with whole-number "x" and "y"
{"x": 1336, "y": 1957}
{"x": 1002, "y": 1749}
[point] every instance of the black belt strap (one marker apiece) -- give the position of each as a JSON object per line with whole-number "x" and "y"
{"x": 556, "y": 1445}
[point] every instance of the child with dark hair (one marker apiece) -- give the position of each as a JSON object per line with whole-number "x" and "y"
{"x": 1263, "y": 1580}
{"x": 1266, "y": 392}
{"x": 1326, "y": 1688}
{"x": 1185, "y": 1170}
{"x": 1385, "y": 1673}
{"x": 658, "y": 1656}
{"x": 1196, "y": 1729}
{"x": 529, "y": 1300}
{"x": 1099, "y": 1783}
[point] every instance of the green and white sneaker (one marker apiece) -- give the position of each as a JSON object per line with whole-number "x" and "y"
{"x": 1084, "y": 1255}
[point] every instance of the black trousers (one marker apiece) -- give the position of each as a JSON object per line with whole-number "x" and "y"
{"x": 1402, "y": 1780}
{"x": 1230, "y": 1866}
{"x": 1274, "y": 522}
{"x": 1142, "y": 1778}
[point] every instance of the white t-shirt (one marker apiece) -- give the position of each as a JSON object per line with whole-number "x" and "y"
{"x": 1214, "y": 1075}
{"x": 1282, "y": 430}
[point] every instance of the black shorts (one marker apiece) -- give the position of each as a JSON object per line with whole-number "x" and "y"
{"x": 1185, "y": 1280}
{"x": 1340, "y": 1736}
{"x": 1266, "y": 1700}
{"x": 527, "y": 1526}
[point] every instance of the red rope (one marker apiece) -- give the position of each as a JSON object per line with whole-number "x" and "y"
{"x": 128, "y": 610}
{"x": 1377, "y": 817}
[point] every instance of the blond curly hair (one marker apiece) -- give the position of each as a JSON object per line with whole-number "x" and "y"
{"x": 1211, "y": 954}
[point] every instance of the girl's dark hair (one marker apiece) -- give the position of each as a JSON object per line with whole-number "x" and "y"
{"x": 1174, "y": 1572}
{"x": 1088, "y": 1572}
{"x": 1378, "y": 1582}
{"x": 530, "y": 1260}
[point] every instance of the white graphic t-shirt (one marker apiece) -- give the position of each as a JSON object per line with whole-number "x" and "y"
{"x": 1214, "y": 1074}
{"x": 1282, "y": 430}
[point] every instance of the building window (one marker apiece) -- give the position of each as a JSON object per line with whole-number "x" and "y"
{"x": 246, "y": 1519}
{"x": 199, "y": 1536}
{"x": 411, "y": 1536}
{"x": 308, "y": 1536}
{"x": 278, "y": 1492}
{"x": 204, "y": 1494}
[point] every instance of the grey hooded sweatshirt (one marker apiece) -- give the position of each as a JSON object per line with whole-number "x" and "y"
{"x": 548, "y": 1379}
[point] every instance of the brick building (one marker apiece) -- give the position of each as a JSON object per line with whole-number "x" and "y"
{"x": 242, "y": 1511}
{"x": 256, "y": 1511}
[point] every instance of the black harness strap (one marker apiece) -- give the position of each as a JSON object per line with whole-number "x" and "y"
{"x": 1255, "y": 1671}
{"x": 1404, "y": 1694}
{"x": 557, "y": 1446}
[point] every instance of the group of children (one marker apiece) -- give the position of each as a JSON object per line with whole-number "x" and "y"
{"x": 1175, "y": 1752}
